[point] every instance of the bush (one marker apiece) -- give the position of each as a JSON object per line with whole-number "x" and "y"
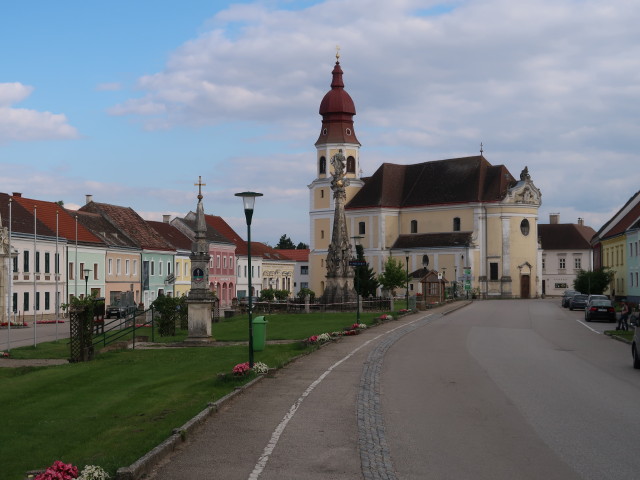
{"x": 302, "y": 294}
{"x": 167, "y": 308}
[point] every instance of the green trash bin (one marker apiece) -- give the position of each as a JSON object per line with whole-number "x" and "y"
{"x": 259, "y": 333}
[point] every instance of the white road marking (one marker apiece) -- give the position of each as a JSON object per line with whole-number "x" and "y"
{"x": 582, "y": 323}
{"x": 275, "y": 436}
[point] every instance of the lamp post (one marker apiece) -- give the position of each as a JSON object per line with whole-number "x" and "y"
{"x": 356, "y": 242}
{"x": 407, "y": 289}
{"x": 248, "y": 201}
{"x": 86, "y": 281}
{"x": 444, "y": 280}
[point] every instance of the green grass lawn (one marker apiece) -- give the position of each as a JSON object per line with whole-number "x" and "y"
{"x": 111, "y": 411}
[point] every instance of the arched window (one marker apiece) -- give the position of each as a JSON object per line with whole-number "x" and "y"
{"x": 456, "y": 224}
{"x": 322, "y": 167}
{"x": 414, "y": 226}
{"x": 351, "y": 165}
{"x": 524, "y": 227}
{"x": 361, "y": 228}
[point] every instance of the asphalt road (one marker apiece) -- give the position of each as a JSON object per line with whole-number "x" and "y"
{"x": 512, "y": 390}
{"x": 21, "y": 337}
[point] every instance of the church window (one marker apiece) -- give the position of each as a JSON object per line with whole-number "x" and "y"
{"x": 321, "y": 193}
{"x": 524, "y": 227}
{"x": 322, "y": 167}
{"x": 321, "y": 234}
{"x": 414, "y": 226}
{"x": 361, "y": 228}
{"x": 456, "y": 224}
{"x": 493, "y": 271}
{"x": 324, "y": 131}
{"x": 351, "y": 165}
{"x": 348, "y": 131}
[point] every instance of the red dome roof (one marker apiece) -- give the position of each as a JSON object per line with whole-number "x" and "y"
{"x": 337, "y": 100}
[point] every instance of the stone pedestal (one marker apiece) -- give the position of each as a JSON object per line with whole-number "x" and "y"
{"x": 200, "y": 315}
{"x": 339, "y": 290}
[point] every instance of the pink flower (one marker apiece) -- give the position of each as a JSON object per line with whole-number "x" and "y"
{"x": 241, "y": 369}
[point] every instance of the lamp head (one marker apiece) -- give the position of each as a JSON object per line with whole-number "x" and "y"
{"x": 248, "y": 202}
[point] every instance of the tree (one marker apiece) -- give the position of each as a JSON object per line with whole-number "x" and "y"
{"x": 393, "y": 276}
{"x": 366, "y": 282}
{"x": 302, "y": 246}
{"x": 593, "y": 282}
{"x": 285, "y": 243}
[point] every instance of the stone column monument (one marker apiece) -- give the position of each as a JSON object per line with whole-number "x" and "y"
{"x": 339, "y": 287}
{"x": 5, "y": 271}
{"x": 200, "y": 298}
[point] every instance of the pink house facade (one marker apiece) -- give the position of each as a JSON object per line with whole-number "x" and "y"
{"x": 222, "y": 276}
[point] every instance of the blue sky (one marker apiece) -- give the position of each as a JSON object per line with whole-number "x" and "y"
{"x": 132, "y": 101}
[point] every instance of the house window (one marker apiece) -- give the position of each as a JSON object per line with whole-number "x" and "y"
{"x": 321, "y": 234}
{"x": 168, "y": 268}
{"x": 218, "y": 261}
{"x": 351, "y": 165}
{"x": 135, "y": 267}
{"x": 224, "y": 262}
{"x": 322, "y": 164}
{"x": 25, "y": 302}
{"x": 562, "y": 263}
{"x": 15, "y": 264}
{"x": 253, "y": 270}
{"x": 414, "y": 226}
{"x": 25, "y": 263}
{"x": 493, "y": 271}
{"x": 245, "y": 271}
{"x": 361, "y": 228}
{"x": 81, "y": 271}
{"x": 304, "y": 270}
{"x": 118, "y": 266}
{"x": 47, "y": 262}
{"x": 37, "y": 301}
{"x": 37, "y": 262}
{"x": 544, "y": 263}
{"x": 321, "y": 193}
{"x": 230, "y": 262}
{"x": 153, "y": 267}
{"x": 95, "y": 271}
{"x": 456, "y": 224}
{"x": 57, "y": 261}
{"x": 14, "y": 305}
{"x": 577, "y": 263}
{"x": 524, "y": 227}
{"x": 110, "y": 266}
{"x": 72, "y": 271}
{"x": 47, "y": 300}
{"x": 126, "y": 267}
{"x": 258, "y": 270}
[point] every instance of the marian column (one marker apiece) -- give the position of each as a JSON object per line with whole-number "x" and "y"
{"x": 339, "y": 273}
{"x": 200, "y": 299}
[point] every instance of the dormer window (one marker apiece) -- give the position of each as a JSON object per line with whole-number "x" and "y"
{"x": 348, "y": 131}
{"x": 456, "y": 224}
{"x": 324, "y": 131}
{"x": 414, "y": 226}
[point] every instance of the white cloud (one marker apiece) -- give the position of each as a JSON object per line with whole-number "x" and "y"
{"x": 19, "y": 124}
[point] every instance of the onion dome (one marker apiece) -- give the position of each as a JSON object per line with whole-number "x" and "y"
{"x": 337, "y": 110}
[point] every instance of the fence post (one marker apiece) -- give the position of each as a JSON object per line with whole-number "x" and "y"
{"x": 153, "y": 327}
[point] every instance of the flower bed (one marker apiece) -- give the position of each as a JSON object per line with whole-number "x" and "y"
{"x": 67, "y": 471}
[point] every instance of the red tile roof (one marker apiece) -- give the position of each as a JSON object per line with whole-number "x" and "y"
{"x": 301, "y": 255}
{"x": 46, "y": 212}
{"x": 565, "y": 236}
{"x": 621, "y": 221}
{"x": 456, "y": 180}
{"x": 21, "y": 218}
{"x": 171, "y": 235}
{"x": 132, "y": 224}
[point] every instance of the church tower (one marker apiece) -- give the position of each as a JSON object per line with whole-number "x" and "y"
{"x": 337, "y": 134}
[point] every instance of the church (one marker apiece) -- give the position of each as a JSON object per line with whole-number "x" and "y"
{"x": 472, "y": 222}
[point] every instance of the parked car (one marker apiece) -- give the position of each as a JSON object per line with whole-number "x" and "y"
{"x": 634, "y": 347}
{"x": 120, "y": 311}
{"x": 593, "y": 297}
{"x": 567, "y": 296}
{"x": 600, "y": 309}
{"x": 578, "y": 301}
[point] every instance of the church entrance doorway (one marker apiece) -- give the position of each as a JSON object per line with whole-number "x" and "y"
{"x": 525, "y": 291}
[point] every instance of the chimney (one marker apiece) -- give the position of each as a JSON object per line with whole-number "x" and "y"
{"x": 581, "y": 221}
{"x": 17, "y": 194}
{"x": 166, "y": 218}
{"x": 89, "y": 199}
{"x": 554, "y": 218}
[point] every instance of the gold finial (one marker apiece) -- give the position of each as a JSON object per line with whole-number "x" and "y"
{"x": 200, "y": 185}
{"x": 337, "y": 53}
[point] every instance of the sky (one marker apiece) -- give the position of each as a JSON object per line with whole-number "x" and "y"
{"x": 132, "y": 101}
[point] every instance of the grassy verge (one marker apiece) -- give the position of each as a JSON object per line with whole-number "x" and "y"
{"x": 112, "y": 410}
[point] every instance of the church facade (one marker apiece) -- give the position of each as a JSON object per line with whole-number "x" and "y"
{"x": 469, "y": 220}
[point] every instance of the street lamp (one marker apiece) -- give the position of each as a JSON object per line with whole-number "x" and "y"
{"x": 407, "y": 289}
{"x": 356, "y": 242}
{"x": 248, "y": 201}
{"x": 86, "y": 281}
